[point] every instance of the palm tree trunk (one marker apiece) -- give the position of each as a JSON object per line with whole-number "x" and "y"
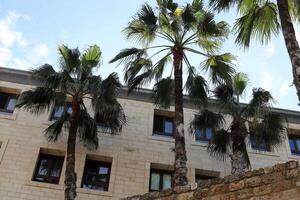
{"x": 238, "y": 160}
{"x": 70, "y": 174}
{"x": 180, "y": 169}
{"x": 290, "y": 41}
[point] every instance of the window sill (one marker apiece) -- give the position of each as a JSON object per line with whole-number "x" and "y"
{"x": 201, "y": 144}
{"x": 94, "y": 192}
{"x": 44, "y": 185}
{"x": 162, "y": 138}
{"x": 9, "y": 116}
{"x": 263, "y": 153}
{"x": 294, "y": 157}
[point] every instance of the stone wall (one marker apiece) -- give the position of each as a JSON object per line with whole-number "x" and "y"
{"x": 281, "y": 181}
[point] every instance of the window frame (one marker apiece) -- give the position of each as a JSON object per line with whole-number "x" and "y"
{"x": 161, "y": 173}
{"x": 99, "y": 164}
{"x": 52, "y": 118}
{"x": 203, "y": 139}
{"x": 49, "y": 179}
{"x": 10, "y": 96}
{"x": 294, "y": 138}
{"x": 256, "y": 147}
{"x": 164, "y": 118}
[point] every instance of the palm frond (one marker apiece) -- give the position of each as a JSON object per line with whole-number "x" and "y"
{"x": 55, "y": 129}
{"x": 142, "y": 28}
{"x": 127, "y": 55}
{"x": 294, "y": 9}
{"x": 188, "y": 17}
{"x": 140, "y": 80}
{"x": 260, "y": 22}
{"x": 240, "y": 82}
{"x": 270, "y": 130}
{"x": 219, "y": 144}
{"x": 39, "y": 99}
{"x": 91, "y": 57}
{"x": 132, "y": 69}
{"x": 220, "y": 68}
{"x": 206, "y": 118}
{"x": 87, "y": 130}
{"x": 160, "y": 66}
{"x": 259, "y": 104}
{"x": 163, "y": 92}
{"x": 197, "y": 88}
{"x": 220, "y": 5}
{"x": 70, "y": 58}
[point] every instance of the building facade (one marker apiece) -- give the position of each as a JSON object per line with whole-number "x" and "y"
{"x": 137, "y": 160}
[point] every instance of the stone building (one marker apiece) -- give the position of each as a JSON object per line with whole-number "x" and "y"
{"x": 135, "y": 161}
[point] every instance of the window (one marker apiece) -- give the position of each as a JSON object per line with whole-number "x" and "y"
{"x": 48, "y": 169}
{"x": 202, "y": 175}
{"x": 262, "y": 146}
{"x": 96, "y": 175}
{"x": 101, "y": 123}
{"x": 163, "y": 125}
{"x": 200, "y": 178}
{"x": 203, "y": 135}
{"x": 7, "y": 103}
{"x": 58, "y": 111}
{"x": 160, "y": 180}
{"x": 294, "y": 142}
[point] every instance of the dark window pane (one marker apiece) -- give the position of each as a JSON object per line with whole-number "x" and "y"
{"x": 3, "y": 100}
{"x": 163, "y": 125}
{"x": 258, "y": 146}
{"x": 48, "y": 169}
{"x": 7, "y": 103}
{"x": 292, "y": 145}
{"x": 298, "y": 144}
{"x": 96, "y": 175}
{"x": 58, "y": 111}
{"x": 168, "y": 127}
{"x": 158, "y": 125}
{"x": 200, "y": 178}
{"x": 208, "y": 133}
{"x": 44, "y": 167}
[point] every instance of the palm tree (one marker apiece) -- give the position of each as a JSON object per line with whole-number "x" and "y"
{"x": 75, "y": 82}
{"x": 179, "y": 30}
{"x": 260, "y": 19}
{"x": 255, "y": 119}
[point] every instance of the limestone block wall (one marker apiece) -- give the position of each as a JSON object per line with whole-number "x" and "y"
{"x": 131, "y": 153}
{"x": 280, "y": 182}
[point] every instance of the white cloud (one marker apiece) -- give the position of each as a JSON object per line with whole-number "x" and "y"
{"x": 9, "y": 36}
{"x": 16, "y": 51}
{"x": 266, "y": 82}
{"x": 284, "y": 88}
{"x": 270, "y": 50}
{"x": 5, "y": 55}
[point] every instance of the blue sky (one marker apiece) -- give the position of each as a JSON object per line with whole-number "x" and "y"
{"x": 31, "y": 30}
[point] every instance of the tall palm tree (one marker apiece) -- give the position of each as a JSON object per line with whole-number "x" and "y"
{"x": 255, "y": 119}
{"x": 179, "y": 30}
{"x": 260, "y": 19}
{"x": 75, "y": 82}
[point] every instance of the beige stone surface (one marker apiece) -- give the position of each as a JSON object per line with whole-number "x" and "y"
{"x": 131, "y": 152}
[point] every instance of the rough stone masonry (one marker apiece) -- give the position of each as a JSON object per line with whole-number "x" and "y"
{"x": 280, "y": 182}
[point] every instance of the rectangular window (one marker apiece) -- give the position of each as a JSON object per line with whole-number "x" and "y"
{"x": 96, "y": 175}
{"x": 160, "y": 180}
{"x": 101, "y": 123}
{"x": 48, "y": 168}
{"x": 58, "y": 111}
{"x": 200, "y": 178}
{"x": 294, "y": 142}
{"x": 163, "y": 125}
{"x": 259, "y": 146}
{"x": 7, "y": 103}
{"x": 203, "y": 135}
